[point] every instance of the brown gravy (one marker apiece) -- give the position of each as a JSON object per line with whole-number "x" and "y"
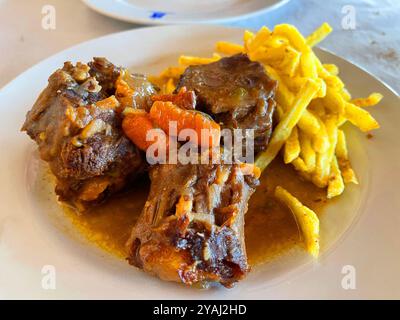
{"x": 270, "y": 228}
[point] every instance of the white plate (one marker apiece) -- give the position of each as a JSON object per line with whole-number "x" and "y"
{"x": 360, "y": 229}
{"x": 182, "y": 11}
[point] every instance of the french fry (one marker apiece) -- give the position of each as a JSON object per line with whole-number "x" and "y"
{"x": 335, "y": 185}
{"x": 169, "y": 86}
{"x": 348, "y": 173}
{"x": 324, "y": 160}
{"x": 320, "y": 141}
{"x": 309, "y": 70}
{"x": 334, "y": 101}
{"x": 370, "y": 101}
{"x": 332, "y": 130}
{"x": 302, "y": 169}
{"x": 343, "y": 159}
{"x": 317, "y": 107}
{"x": 293, "y": 35}
{"x": 309, "y": 123}
{"x": 259, "y": 39}
{"x": 293, "y": 83}
{"x": 248, "y": 37}
{"x": 307, "y": 152}
{"x": 172, "y": 72}
{"x": 341, "y": 120}
{"x": 334, "y": 82}
{"x": 284, "y": 96}
{"x": 322, "y": 72}
{"x": 318, "y": 177}
{"x": 318, "y": 35}
{"x": 300, "y": 165}
{"x": 306, "y": 219}
{"x": 341, "y": 146}
{"x": 360, "y": 118}
{"x": 292, "y": 147}
{"x": 322, "y": 91}
{"x": 169, "y": 73}
{"x": 345, "y": 94}
{"x": 308, "y": 67}
{"x": 290, "y": 61}
{"x": 287, "y": 123}
{"x": 269, "y": 56}
{"x": 277, "y": 41}
{"x": 228, "y": 48}
{"x": 332, "y": 69}
{"x": 191, "y": 61}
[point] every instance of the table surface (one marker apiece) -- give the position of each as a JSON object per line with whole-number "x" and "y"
{"x": 374, "y": 44}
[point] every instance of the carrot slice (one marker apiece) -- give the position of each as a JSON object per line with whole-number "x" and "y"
{"x": 136, "y": 125}
{"x": 162, "y": 113}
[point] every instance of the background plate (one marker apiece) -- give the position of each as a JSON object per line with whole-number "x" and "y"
{"x": 182, "y": 11}
{"x": 359, "y": 229}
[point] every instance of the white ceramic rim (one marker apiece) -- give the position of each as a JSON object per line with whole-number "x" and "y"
{"x": 143, "y": 19}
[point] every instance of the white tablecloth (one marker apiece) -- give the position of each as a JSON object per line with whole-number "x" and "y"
{"x": 374, "y": 44}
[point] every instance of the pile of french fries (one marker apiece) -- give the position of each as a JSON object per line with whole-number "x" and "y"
{"x": 312, "y": 105}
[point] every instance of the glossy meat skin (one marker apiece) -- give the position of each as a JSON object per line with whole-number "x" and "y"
{"x": 80, "y": 136}
{"x": 236, "y": 92}
{"x": 191, "y": 229}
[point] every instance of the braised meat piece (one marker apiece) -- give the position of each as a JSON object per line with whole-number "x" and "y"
{"x": 191, "y": 229}
{"x": 105, "y": 73}
{"x": 236, "y": 92}
{"x": 76, "y": 123}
